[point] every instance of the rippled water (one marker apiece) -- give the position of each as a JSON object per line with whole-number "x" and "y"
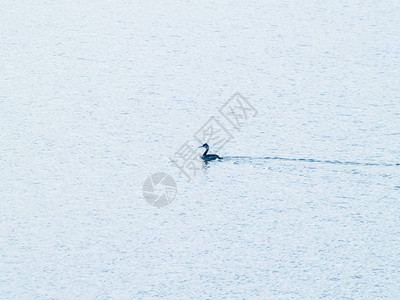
{"x": 95, "y": 97}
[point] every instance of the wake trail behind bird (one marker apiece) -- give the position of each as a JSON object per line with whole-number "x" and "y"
{"x": 310, "y": 160}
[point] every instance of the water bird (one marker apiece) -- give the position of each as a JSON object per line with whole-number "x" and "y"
{"x": 208, "y": 157}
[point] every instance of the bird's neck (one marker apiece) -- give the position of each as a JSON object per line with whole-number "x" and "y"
{"x": 205, "y": 152}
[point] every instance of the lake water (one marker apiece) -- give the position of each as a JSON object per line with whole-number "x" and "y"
{"x": 96, "y": 97}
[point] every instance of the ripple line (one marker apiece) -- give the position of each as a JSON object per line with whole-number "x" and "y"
{"x": 337, "y": 162}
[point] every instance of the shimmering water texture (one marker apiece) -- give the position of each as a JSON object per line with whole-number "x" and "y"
{"x": 98, "y": 98}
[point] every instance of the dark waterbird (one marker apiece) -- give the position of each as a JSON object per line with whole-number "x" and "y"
{"x": 208, "y": 157}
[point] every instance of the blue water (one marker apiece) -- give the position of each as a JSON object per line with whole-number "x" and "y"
{"x": 95, "y": 97}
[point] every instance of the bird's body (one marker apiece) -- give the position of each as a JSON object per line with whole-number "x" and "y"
{"x": 208, "y": 157}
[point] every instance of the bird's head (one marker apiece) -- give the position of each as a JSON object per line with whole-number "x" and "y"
{"x": 204, "y": 146}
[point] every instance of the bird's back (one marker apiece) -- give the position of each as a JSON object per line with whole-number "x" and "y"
{"x": 210, "y": 157}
